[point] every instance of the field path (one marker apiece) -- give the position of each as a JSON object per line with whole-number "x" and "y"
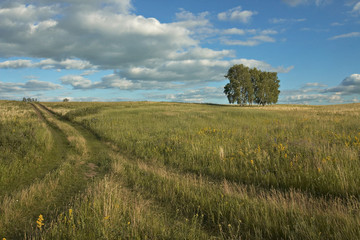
{"x": 77, "y": 158}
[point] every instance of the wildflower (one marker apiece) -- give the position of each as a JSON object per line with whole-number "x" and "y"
{"x": 39, "y": 222}
{"x": 106, "y": 217}
{"x": 252, "y": 162}
{"x": 128, "y": 223}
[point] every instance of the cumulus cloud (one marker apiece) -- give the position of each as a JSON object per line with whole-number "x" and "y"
{"x": 237, "y": 14}
{"x": 143, "y": 52}
{"x": 31, "y": 85}
{"x": 115, "y": 81}
{"x": 190, "y": 20}
{"x": 235, "y": 31}
{"x": 199, "y": 95}
{"x": 250, "y": 37}
{"x": 47, "y": 64}
{"x": 312, "y": 99}
{"x": 317, "y": 93}
{"x": 347, "y": 35}
{"x": 350, "y": 85}
{"x": 101, "y": 36}
{"x": 77, "y": 82}
{"x": 195, "y": 70}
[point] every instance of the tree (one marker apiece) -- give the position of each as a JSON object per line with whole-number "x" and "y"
{"x": 240, "y": 88}
{"x": 66, "y": 100}
{"x": 251, "y": 85}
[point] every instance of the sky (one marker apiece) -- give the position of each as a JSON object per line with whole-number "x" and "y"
{"x": 178, "y": 50}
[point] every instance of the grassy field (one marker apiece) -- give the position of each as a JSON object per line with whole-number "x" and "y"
{"x": 143, "y": 170}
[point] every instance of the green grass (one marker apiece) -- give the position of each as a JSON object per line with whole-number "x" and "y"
{"x": 181, "y": 171}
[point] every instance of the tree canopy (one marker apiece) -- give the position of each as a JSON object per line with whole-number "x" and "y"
{"x": 248, "y": 86}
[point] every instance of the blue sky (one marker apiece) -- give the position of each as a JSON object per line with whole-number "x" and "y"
{"x": 161, "y": 50}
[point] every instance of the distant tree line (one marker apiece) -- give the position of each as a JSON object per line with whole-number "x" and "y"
{"x": 29, "y": 99}
{"x": 250, "y": 85}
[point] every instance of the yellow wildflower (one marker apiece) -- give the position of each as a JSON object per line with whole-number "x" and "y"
{"x": 39, "y": 222}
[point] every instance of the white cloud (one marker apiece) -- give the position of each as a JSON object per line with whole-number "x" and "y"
{"x": 356, "y": 8}
{"x": 199, "y": 95}
{"x": 146, "y": 54}
{"x": 77, "y": 82}
{"x": 114, "y": 81}
{"x": 235, "y": 31}
{"x": 89, "y": 72}
{"x": 190, "y": 20}
{"x": 350, "y": 85}
{"x": 237, "y": 14}
{"x": 21, "y": 63}
{"x": 47, "y": 64}
{"x": 172, "y": 74}
{"x": 347, "y": 35}
{"x": 251, "y": 37}
{"x": 31, "y": 85}
{"x": 315, "y": 84}
{"x": 254, "y": 41}
{"x": 264, "y": 38}
{"x": 318, "y": 93}
{"x": 294, "y": 3}
{"x": 285, "y": 20}
{"x": 312, "y": 99}
{"x": 88, "y": 31}
{"x": 194, "y": 71}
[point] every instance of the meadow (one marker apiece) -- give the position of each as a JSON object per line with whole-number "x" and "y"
{"x": 147, "y": 170}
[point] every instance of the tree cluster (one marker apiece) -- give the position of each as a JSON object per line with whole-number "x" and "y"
{"x": 250, "y": 85}
{"x": 29, "y": 99}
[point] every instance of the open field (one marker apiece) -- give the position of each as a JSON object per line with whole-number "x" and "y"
{"x": 143, "y": 170}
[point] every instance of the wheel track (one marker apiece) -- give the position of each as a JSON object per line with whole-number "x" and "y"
{"x": 80, "y": 159}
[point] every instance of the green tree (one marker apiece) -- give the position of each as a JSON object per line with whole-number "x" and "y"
{"x": 240, "y": 88}
{"x": 251, "y": 85}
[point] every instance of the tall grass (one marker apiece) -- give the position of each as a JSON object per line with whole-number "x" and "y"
{"x": 315, "y": 150}
{"x": 24, "y": 143}
{"x": 191, "y": 171}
